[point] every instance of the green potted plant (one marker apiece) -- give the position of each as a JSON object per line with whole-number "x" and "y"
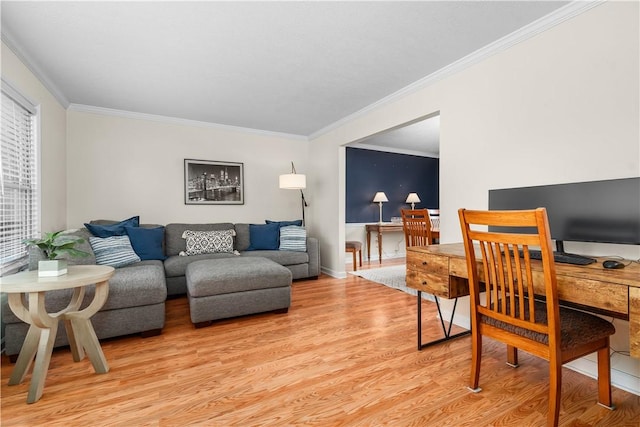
{"x": 53, "y": 245}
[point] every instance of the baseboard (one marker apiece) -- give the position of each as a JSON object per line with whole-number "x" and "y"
{"x": 619, "y": 379}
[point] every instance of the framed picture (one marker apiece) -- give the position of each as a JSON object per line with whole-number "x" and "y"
{"x": 209, "y": 182}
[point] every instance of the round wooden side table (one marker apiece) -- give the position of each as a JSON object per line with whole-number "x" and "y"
{"x": 39, "y": 341}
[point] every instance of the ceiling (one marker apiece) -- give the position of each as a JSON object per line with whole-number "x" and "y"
{"x": 293, "y": 68}
{"x": 421, "y": 138}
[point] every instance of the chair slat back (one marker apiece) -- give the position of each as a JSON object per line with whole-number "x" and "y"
{"x": 434, "y": 215}
{"x": 417, "y": 227}
{"x": 509, "y": 278}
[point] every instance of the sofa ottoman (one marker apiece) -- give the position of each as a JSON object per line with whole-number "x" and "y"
{"x": 219, "y": 289}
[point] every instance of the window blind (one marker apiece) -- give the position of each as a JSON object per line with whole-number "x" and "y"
{"x": 18, "y": 180}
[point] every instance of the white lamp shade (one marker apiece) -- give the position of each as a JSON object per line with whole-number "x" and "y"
{"x": 293, "y": 181}
{"x": 413, "y": 198}
{"x": 380, "y": 197}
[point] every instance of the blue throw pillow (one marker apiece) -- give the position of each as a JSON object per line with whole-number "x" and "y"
{"x": 147, "y": 242}
{"x": 264, "y": 237}
{"x": 117, "y": 229}
{"x": 297, "y": 222}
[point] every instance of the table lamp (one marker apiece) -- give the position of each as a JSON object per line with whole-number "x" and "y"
{"x": 379, "y": 198}
{"x": 413, "y": 199}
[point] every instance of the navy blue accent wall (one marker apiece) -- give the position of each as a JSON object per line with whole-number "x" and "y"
{"x": 396, "y": 174}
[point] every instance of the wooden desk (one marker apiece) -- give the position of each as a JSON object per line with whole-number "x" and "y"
{"x": 387, "y": 227}
{"x": 44, "y": 326}
{"x": 441, "y": 270}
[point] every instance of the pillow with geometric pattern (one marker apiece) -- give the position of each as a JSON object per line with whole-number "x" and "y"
{"x": 208, "y": 242}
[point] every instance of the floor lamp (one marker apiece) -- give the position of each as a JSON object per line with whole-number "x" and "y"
{"x": 295, "y": 181}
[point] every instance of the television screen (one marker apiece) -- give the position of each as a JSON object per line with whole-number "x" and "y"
{"x": 597, "y": 211}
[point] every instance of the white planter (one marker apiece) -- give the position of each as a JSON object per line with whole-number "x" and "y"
{"x": 56, "y": 267}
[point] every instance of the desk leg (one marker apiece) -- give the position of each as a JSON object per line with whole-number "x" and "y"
{"x": 447, "y": 332}
{"x": 369, "y": 245}
{"x": 379, "y": 247}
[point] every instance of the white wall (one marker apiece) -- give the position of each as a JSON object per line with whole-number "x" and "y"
{"x": 53, "y": 135}
{"x": 560, "y": 107}
{"x": 120, "y": 166}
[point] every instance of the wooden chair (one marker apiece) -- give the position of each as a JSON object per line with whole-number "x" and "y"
{"x": 417, "y": 227}
{"x": 354, "y": 247}
{"x": 511, "y": 315}
{"x": 417, "y": 224}
{"x": 434, "y": 215}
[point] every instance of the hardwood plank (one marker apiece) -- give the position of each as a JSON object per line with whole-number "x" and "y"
{"x": 343, "y": 355}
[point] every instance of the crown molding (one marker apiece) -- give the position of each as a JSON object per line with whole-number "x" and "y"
{"x": 178, "y": 121}
{"x": 28, "y": 62}
{"x": 541, "y": 25}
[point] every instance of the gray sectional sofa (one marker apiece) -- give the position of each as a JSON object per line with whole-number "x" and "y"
{"x": 137, "y": 292}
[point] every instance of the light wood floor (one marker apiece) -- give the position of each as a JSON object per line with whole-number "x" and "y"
{"x": 344, "y": 355}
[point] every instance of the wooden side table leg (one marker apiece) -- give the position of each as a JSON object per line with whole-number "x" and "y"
{"x": 369, "y": 245}
{"x": 41, "y": 365}
{"x": 379, "y": 247}
{"x": 87, "y": 338}
{"x": 77, "y": 351}
{"x": 26, "y": 356}
{"x": 83, "y": 330}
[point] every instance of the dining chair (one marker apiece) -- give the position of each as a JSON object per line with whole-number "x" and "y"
{"x": 416, "y": 225}
{"x": 434, "y": 216}
{"x": 499, "y": 264}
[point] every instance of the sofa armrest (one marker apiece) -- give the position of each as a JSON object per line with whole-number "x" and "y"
{"x": 313, "y": 249}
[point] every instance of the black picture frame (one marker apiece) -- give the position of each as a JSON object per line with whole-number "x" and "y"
{"x": 210, "y": 182}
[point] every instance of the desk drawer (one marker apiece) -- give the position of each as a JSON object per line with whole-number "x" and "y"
{"x": 429, "y": 273}
{"x": 428, "y": 263}
{"x": 429, "y": 283}
{"x": 610, "y": 298}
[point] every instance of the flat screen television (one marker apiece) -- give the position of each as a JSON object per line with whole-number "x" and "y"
{"x": 596, "y": 211}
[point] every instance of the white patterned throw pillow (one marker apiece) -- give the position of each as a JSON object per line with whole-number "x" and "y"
{"x": 115, "y": 251}
{"x": 293, "y": 238}
{"x": 208, "y": 242}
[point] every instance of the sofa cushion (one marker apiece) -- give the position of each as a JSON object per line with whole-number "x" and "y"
{"x": 147, "y": 242}
{"x": 281, "y": 257}
{"x": 176, "y": 266}
{"x": 117, "y": 229}
{"x": 115, "y": 251}
{"x": 293, "y": 238}
{"x": 217, "y": 277}
{"x": 174, "y": 243}
{"x": 208, "y": 242}
{"x": 263, "y": 237}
